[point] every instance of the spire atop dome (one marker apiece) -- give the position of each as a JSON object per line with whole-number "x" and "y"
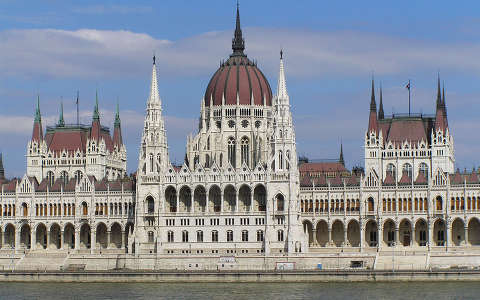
{"x": 372, "y": 120}
{"x": 381, "y": 114}
{"x": 341, "y": 160}
{"x": 282, "y": 84}
{"x": 238, "y": 43}
{"x": 439, "y": 95}
{"x": 61, "y": 121}
{"x": 38, "y": 115}
{"x": 96, "y": 115}
{"x": 154, "y": 96}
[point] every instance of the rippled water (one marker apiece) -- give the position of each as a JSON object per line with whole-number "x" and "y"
{"x": 271, "y": 291}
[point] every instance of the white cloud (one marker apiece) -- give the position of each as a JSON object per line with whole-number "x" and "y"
{"x": 87, "y": 53}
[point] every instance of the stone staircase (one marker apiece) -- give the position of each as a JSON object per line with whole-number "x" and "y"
{"x": 399, "y": 260}
{"x": 41, "y": 261}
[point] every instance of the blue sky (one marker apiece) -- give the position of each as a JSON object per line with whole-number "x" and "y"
{"x": 332, "y": 48}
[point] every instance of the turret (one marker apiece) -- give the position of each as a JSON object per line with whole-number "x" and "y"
{"x": 381, "y": 114}
{"x": 341, "y": 160}
{"x": 441, "y": 114}
{"x": 61, "y": 121}
{"x": 2, "y": 170}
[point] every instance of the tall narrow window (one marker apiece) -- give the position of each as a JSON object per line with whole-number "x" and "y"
{"x": 391, "y": 170}
{"x": 78, "y": 176}
{"x": 287, "y": 161}
{"x": 407, "y": 168}
{"x": 424, "y": 169}
{"x": 50, "y": 177}
{"x": 158, "y": 163}
{"x": 64, "y": 177}
{"x": 231, "y": 151}
{"x": 151, "y": 162}
{"x": 214, "y": 236}
{"x": 245, "y": 147}
{"x": 280, "y": 160}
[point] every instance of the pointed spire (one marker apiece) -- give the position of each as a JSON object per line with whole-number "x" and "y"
{"x": 381, "y": 114}
{"x": 117, "y": 130}
{"x": 439, "y": 95}
{"x": 373, "y": 103}
{"x": 238, "y": 43}
{"x": 38, "y": 116}
{"x": 61, "y": 121}
{"x": 341, "y": 160}
{"x": 372, "y": 120}
{"x": 96, "y": 115}
{"x": 154, "y": 96}
{"x": 2, "y": 170}
{"x": 37, "y": 134}
{"x": 282, "y": 84}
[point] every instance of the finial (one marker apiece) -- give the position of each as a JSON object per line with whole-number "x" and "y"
{"x": 238, "y": 43}
{"x": 96, "y": 115}
{"x": 373, "y": 104}
{"x": 154, "y": 57}
{"x": 381, "y": 114}
{"x": 341, "y": 160}
{"x": 281, "y": 53}
{"x": 117, "y": 114}
{"x": 38, "y": 116}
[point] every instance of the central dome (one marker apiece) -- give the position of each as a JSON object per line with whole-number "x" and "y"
{"x": 238, "y": 76}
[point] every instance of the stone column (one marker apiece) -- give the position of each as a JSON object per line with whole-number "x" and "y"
{"x": 314, "y": 238}
{"x": 251, "y": 200}
{"x": 330, "y": 242}
{"x": 221, "y": 201}
{"x": 122, "y": 237}
{"x": 396, "y": 236}
{"x": 192, "y": 203}
{"x": 108, "y": 238}
{"x": 178, "y": 202}
{"x": 362, "y": 235}
{"x": 33, "y": 240}
{"x": 61, "y": 240}
{"x": 48, "y": 238}
{"x": 345, "y": 237}
{"x": 379, "y": 234}
{"x": 17, "y": 239}
{"x": 207, "y": 209}
{"x": 77, "y": 239}
{"x": 93, "y": 241}
{"x": 447, "y": 234}
{"x": 466, "y": 234}
{"x": 236, "y": 201}
{"x": 430, "y": 233}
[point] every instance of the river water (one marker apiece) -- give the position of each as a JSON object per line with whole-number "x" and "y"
{"x": 271, "y": 291}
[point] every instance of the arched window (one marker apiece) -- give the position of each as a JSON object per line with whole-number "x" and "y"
{"x": 371, "y": 204}
{"x": 280, "y": 235}
{"x": 84, "y": 209}
{"x": 245, "y": 149}
{"x": 185, "y": 236}
{"x": 150, "y": 205}
{"x": 424, "y": 169}
{"x": 25, "y": 209}
{"x": 391, "y": 170}
{"x": 280, "y": 202}
{"x": 199, "y": 236}
{"x": 439, "y": 203}
{"x": 407, "y": 168}
{"x": 158, "y": 163}
{"x": 214, "y": 236}
{"x": 221, "y": 160}
{"x": 150, "y": 236}
{"x": 50, "y": 177}
{"x": 244, "y": 235}
{"x": 231, "y": 151}
{"x": 229, "y": 236}
{"x": 207, "y": 161}
{"x": 151, "y": 162}
{"x": 170, "y": 236}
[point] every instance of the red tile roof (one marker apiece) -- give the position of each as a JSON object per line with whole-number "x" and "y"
{"x": 412, "y": 130}
{"x": 421, "y": 179}
{"x": 389, "y": 180}
{"x": 322, "y": 167}
{"x": 405, "y": 179}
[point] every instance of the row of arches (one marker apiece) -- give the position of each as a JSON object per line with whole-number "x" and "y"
{"x": 69, "y": 209}
{"x": 332, "y": 205}
{"x": 406, "y": 234}
{"x": 215, "y": 200}
{"x": 67, "y": 238}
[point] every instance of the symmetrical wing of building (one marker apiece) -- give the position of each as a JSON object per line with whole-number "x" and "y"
{"x": 241, "y": 189}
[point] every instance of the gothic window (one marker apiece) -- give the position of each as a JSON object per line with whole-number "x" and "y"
{"x": 280, "y": 235}
{"x": 424, "y": 169}
{"x": 231, "y": 151}
{"x": 260, "y": 236}
{"x": 280, "y": 160}
{"x": 78, "y": 176}
{"x": 50, "y": 177}
{"x": 150, "y": 205}
{"x": 245, "y": 145}
{"x": 158, "y": 163}
{"x": 64, "y": 177}
{"x": 207, "y": 161}
{"x": 151, "y": 162}
{"x": 407, "y": 168}
{"x": 150, "y": 236}
{"x": 221, "y": 160}
{"x": 257, "y": 124}
{"x": 244, "y": 123}
{"x": 208, "y": 143}
{"x": 231, "y": 123}
{"x": 391, "y": 170}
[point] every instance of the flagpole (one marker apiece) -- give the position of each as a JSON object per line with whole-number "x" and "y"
{"x": 409, "y": 87}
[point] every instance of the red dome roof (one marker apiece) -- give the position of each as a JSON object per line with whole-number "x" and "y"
{"x": 238, "y": 76}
